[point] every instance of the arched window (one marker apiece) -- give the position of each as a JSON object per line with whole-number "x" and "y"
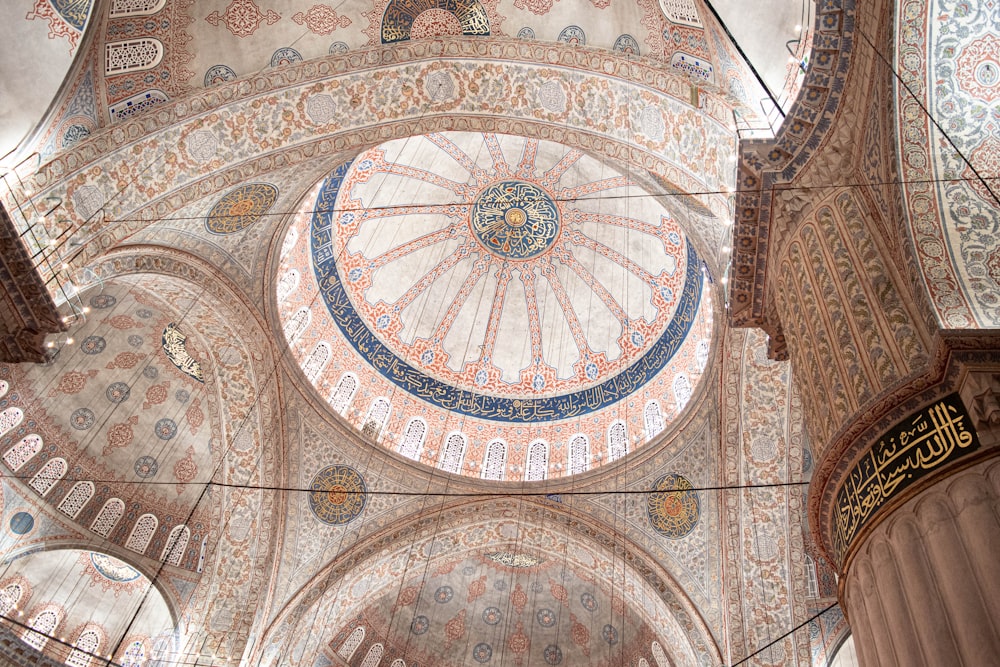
{"x": 538, "y": 461}
{"x": 617, "y": 440}
{"x": 317, "y": 361}
{"x": 374, "y": 656}
{"x": 9, "y": 419}
{"x": 121, "y": 8}
{"x": 10, "y": 596}
{"x": 642, "y": 663}
{"x": 23, "y": 451}
{"x": 288, "y": 284}
{"x": 78, "y": 496}
{"x": 681, "y": 11}
{"x": 108, "y": 517}
{"x": 4, "y": 387}
{"x": 653, "y": 418}
{"x": 297, "y": 323}
{"x": 682, "y": 391}
{"x": 701, "y": 354}
{"x": 135, "y": 655}
{"x": 291, "y": 238}
{"x": 42, "y": 626}
{"x": 579, "y": 453}
{"x": 812, "y": 581}
{"x": 136, "y": 104}
{"x": 46, "y": 478}
{"x": 413, "y": 438}
{"x": 142, "y": 533}
{"x": 495, "y": 461}
{"x": 351, "y": 644}
{"x": 344, "y": 392}
{"x": 133, "y": 55}
{"x": 378, "y": 415}
{"x": 453, "y": 453}
{"x": 177, "y": 543}
{"x": 398, "y": 662}
{"x": 86, "y": 645}
{"x": 659, "y": 656}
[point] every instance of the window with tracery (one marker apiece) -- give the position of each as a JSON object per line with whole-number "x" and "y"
{"x": 78, "y": 496}
{"x": 659, "y": 655}
{"x": 538, "y": 461}
{"x": 653, "y": 418}
{"x": 579, "y": 453}
{"x": 41, "y": 628}
{"x": 495, "y": 462}
{"x": 121, "y": 8}
{"x": 398, "y": 662}
{"x": 317, "y": 361}
{"x": 378, "y": 415}
{"x": 701, "y": 354}
{"x": 291, "y": 238}
{"x": 682, "y": 391}
{"x": 108, "y": 517}
{"x": 4, "y": 387}
{"x": 351, "y": 644}
{"x": 812, "y": 581}
{"x": 135, "y": 655}
{"x": 374, "y": 656}
{"x": 288, "y": 284}
{"x": 344, "y": 392}
{"x": 9, "y": 419}
{"x": 10, "y": 595}
{"x": 642, "y": 663}
{"x": 413, "y": 438}
{"x": 681, "y": 11}
{"x": 142, "y": 533}
{"x": 132, "y": 55}
{"x": 617, "y": 441}
{"x": 88, "y": 643}
{"x": 453, "y": 453}
{"x": 297, "y": 323}
{"x": 46, "y": 478}
{"x": 177, "y": 543}
{"x": 23, "y": 451}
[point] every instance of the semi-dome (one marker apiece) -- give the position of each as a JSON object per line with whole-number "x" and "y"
{"x": 502, "y": 307}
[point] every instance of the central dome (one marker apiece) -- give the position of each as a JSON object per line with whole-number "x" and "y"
{"x": 501, "y": 279}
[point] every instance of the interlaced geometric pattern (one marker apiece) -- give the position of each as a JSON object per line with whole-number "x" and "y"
{"x": 681, "y": 11}
{"x": 136, "y": 7}
{"x": 9, "y": 597}
{"x": 351, "y": 644}
{"x": 673, "y": 508}
{"x": 538, "y": 461}
{"x": 177, "y": 543}
{"x": 343, "y": 393}
{"x": 579, "y": 453}
{"x": 108, "y": 517}
{"x": 47, "y": 477}
{"x": 142, "y": 533}
{"x": 617, "y": 441}
{"x": 78, "y": 496}
{"x": 374, "y": 656}
{"x": 23, "y": 451}
{"x": 378, "y": 415}
{"x": 454, "y": 452}
{"x": 337, "y": 495}
{"x": 132, "y": 55}
{"x": 653, "y": 418}
{"x": 88, "y": 643}
{"x": 10, "y": 418}
{"x": 44, "y": 624}
{"x": 496, "y": 460}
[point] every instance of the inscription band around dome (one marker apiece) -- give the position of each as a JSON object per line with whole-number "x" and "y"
{"x": 484, "y": 406}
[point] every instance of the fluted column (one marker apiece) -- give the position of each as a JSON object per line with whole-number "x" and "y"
{"x": 923, "y": 587}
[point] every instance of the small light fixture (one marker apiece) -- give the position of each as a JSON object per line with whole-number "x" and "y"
{"x": 69, "y": 341}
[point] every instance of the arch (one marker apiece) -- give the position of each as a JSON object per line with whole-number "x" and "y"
{"x": 413, "y": 438}
{"x": 137, "y": 103}
{"x": 812, "y": 580}
{"x": 317, "y": 361}
{"x": 701, "y": 354}
{"x": 397, "y": 21}
{"x": 23, "y": 451}
{"x": 297, "y": 323}
{"x": 142, "y": 533}
{"x": 10, "y": 596}
{"x": 537, "y": 467}
{"x": 642, "y": 663}
{"x": 682, "y": 390}
{"x": 378, "y": 415}
{"x": 579, "y": 453}
{"x": 351, "y": 644}
{"x": 177, "y": 543}
{"x": 652, "y": 416}
{"x": 374, "y": 656}
{"x": 495, "y": 461}
{"x": 134, "y": 655}
{"x": 4, "y": 388}
{"x": 659, "y": 655}
{"x": 682, "y": 12}
{"x": 291, "y": 238}
{"x": 398, "y": 662}
{"x": 121, "y": 8}
{"x": 87, "y": 644}
{"x": 48, "y": 475}
{"x": 344, "y": 392}
{"x": 76, "y": 499}
{"x": 9, "y": 419}
{"x": 133, "y": 55}
{"x": 617, "y": 440}
{"x": 453, "y": 452}
{"x": 288, "y": 284}
{"x": 41, "y": 626}
{"x": 108, "y": 517}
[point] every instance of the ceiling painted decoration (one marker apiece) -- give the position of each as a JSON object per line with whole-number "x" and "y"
{"x": 522, "y": 292}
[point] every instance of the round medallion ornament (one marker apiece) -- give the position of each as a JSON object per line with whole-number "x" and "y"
{"x": 22, "y": 523}
{"x": 93, "y": 345}
{"x": 118, "y": 392}
{"x": 588, "y": 601}
{"x": 146, "y": 466}
{"x": 673, "y": 508}
{"x": 420, "y": 625}
{"x": 482, "y": 652}
{"x": 165, "y": 428}
{"x": 546, "y": 618}
{"x": 492, "y": 615}
{"x": 443, "y": 594}
{"x": 553, "y": 655}
{"x": 609, "y": 633}
{"x": 82, "y": 419}
{"x": 337, "y": 495}
{"x": 515, "y": 220}
{"x": 240, "y": 208}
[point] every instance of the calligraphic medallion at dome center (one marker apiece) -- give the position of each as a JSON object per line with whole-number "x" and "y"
{"x": 673, "y": 507}
{"x": 337, "y": 495}
{"x": 515, "y": 220}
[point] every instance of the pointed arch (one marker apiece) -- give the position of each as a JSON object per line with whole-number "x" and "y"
{"x": 377, "y": 417}
{"x": 579, "y": 453}
{"x": 41, "y": 626}
{"x": 537, "y": 467}
{"x": 453, "y": 452}
{"x": 659, "y": 655}
{"x": 351, "y": 644}
{"x": 76, "y": 499}
{"x": 495, "y": 461}
{"x": 287, "y": 285}
{"x": 682, "y": 390}
{"x": 87, "y": 644}
{"x": 652, "y": 417}
{"x": 134, "y": 655}
{"x": 10, "y": 597}
{"x": 296, "y": 324}
{"x": 48, "y": 476}
{"x": 177, "y": 543}
{"x": 142, "y": 533}
{"x": 374, "y": 656}
{"x": 23, "y": 451}
{"x": 343, "y": 393}
{"x": 412, "y": 441}
{"x": 317, "y": 361}
{"x": 108, "y": 517}
{"x": 617, "y": 440}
